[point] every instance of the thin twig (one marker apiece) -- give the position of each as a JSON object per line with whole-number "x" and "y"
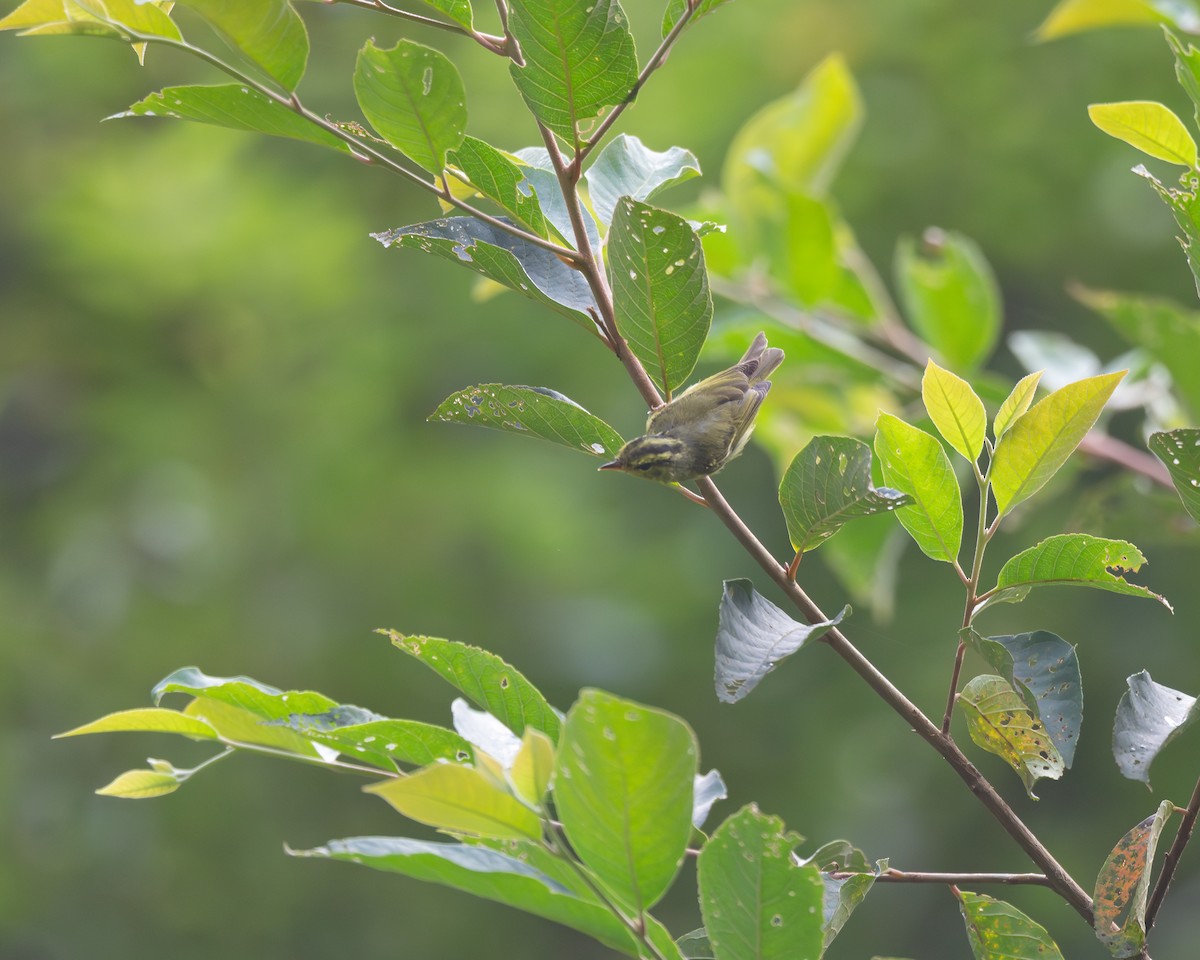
{"x": 1173, "y": 855}
{"x": 914, "y": 876}
{"x": 485, "y": 40}
{"x": 656, "y": 61}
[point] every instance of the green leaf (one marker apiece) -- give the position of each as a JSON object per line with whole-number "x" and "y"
{"x": 1148, "y": 126}
{"x": 579, "y": 60}
{"x": 1184, "y": 204}
{"x": 141, "y": 785}
{"x": 999, "y": 931}
{"x": 143, "y": 18}
{"x": 1000, "y": 722}
{"x": 1074, "y": 560}
{"x": 798, "y": 142}
{"x": 626, "y": 167}
{"x": 1119, "y": 902}
{"x": 498, "y": 255}
{"x": 497, "y": 176}
{"x": 756, "y": 901}
{"x": 146, "y": 720}
{"x": 675, "y": 9}
{"x": 459, "y": 799}
{"x": 497, "y": 876}
{"x": 532, "y": 767}
{"x": 532, "y": 411}
{"x": 660, "y": 290}
{"x": 269, "y": 33}
{"x": 623, "y": 790}
{"x": 382, "y": 741}
{"x": 1149, "y": 717}
{"x": 1179, "y": 450}
{"x": 239, "y": 725}
{"x": 457, "y": 10}
{"x": 955, "y": 410}
{"x": 799, "y": 237}
{"x": 950, "y": 296}
{"x": 486, "y": 680}
{"x": 914, "y": 463}
{"x": 1044, "y": 669}
{"x": 1015, "y": 404}
{"x": 843, "y": 895}
{"x": 1074, "y": 16}
{"x": 1039, "y": 441}
{"x": 235, "y": 106}
{"x": 695, "y": 945}
{"x": 539, "y": 171}
{"x": 1170, "y": 333}
{"x": 754, "y": 636}
{"x": 827, "y": 484}
{"x": 1187, "y": 67}
{"x": 414, "y": 97}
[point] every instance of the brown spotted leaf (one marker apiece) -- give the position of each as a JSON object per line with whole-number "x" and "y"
{"x": 1119, "y": 902}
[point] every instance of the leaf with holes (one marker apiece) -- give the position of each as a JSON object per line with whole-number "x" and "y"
{"x": 369, "y": 738}
{"x": 413, "y": 95}
{"x": 754, "y": 636}
{"x": 1179, "y": 450}
{"x": 533, "y": 412}
{"x": 660, "y": 290}
{"x": 579, "y": 60}
{"x": 1041, "y": 439}
{"x": 623, "y": 788}
{"x": 1001, "y": 723}
{"x": 756, "y": 900}
{"x": 827, "y": 484}
{"x": 999, "y": 931}
{"x": 498, "y": 255}
{"x": 1044, "y": 669}
{"x": 955, "y": 410}
{"x": 626, "y": 167}
{"x": 1073, "y": 560}
{"x": 485, "y": 679}
{"x": 1119, "y": 901}
{"x": 914, "y": 463}
{"x": 1149, "y": 717}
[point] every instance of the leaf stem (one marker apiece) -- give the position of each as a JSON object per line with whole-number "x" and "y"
{"x": 487, "y": 41}
{"x": 1173, "y": 855}
{"x": 923, "y": 876}
{"x": 655, "y": 61}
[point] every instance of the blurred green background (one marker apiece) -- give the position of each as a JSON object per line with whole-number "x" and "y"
{"x": 213, "y": 451}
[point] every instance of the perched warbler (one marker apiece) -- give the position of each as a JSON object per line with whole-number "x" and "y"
{"x": 706, "y": 426}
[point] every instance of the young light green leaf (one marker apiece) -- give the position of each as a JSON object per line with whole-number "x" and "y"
{"x": 827, "y": 484}
{"x": 248, "y": 725}
{"x": 999, "y": 931}
{"x": 485, "y": 679}
{"x": 950, "y": 295}
{"x": 914, "y": 463}
{"x": 414, "y": 97}
{"x": 263, "y": 700}
{"x": 579, "y": 60}
{"x": 497, "y": 176}
{"x": 147, "y": 19}
{"x": 756, "y": 900}
{"x": 1169, "y": 332}
{"x": 675, "y": 9}
{"x": 1179, "y": 450}
{"x": 499, "y": 256}
{"x": 459, "y": 799}
{"x": 1148, "y": 126}
{"x": 1044, "y": 669}
{"x": 1187, "y": 67}
{"x": 495, "y": 875}
{"x": 660, "y": 290}
{"x": 1119, "y": 901}
{"x": 797, "y": 142}
{"x": 146, "y": 720}
{"x": 532, "y": 411}
{"x": 1184, "y": 204}
{"x": 626, "y": 167}
{"x": 235, "y": 106}
{"x": 1000, "y": 722}
{"x": 1072, "y": 559}
{"x": 1149, "y": 717}
{"x": 623, "y": 790}
{"x": 1075, "y": 16}
{"x": 534, "y": 763}
{"x": 754, "y": 636}
{"x": 955, "y": 410}
{"x": 269, "y": 33}
{"x": 1015, "y": 404}
{"x": 140, "y": 785}
{"x": 1039, "y": 441}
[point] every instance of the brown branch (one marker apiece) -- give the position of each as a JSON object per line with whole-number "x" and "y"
{"x": 1173, "y": 855}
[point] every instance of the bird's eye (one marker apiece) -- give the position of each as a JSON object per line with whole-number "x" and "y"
{"x": 642, "y": 465}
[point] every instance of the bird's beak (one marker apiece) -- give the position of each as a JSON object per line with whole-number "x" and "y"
{"x": 611, "y": 465}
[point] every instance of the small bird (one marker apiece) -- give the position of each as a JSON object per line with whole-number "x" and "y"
{"x": 706, "y": 426}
